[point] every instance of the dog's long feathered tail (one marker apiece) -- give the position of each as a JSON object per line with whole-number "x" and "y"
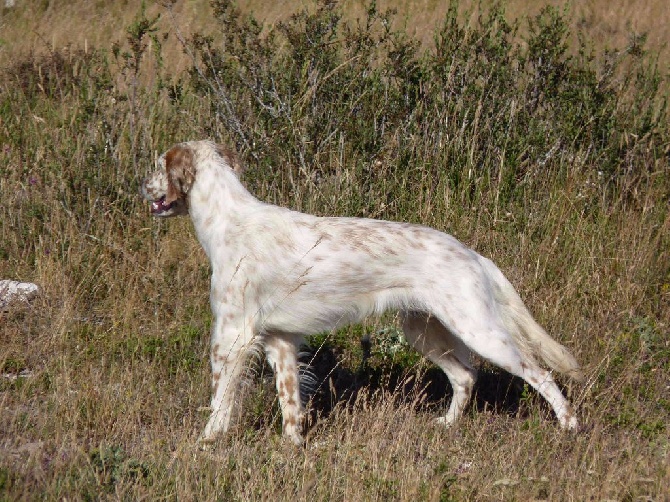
{"x": 531, "y": 338}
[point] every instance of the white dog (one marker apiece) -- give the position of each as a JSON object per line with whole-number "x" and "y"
{"x": 278, "y": 275}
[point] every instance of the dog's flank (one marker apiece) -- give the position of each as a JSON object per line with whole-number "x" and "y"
{"x": 278, "y": 275}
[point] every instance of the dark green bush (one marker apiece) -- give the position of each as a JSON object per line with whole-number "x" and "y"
{"x": 484, "y": 108}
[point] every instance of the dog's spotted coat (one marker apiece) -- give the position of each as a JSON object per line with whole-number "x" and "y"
{"x": 278, "y": 275}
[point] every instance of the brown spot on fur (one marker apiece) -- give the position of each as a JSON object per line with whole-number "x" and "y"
{"x": 250, "y": 269}
{"x": 230, "y": 158}
{"x": 290, "y": 421}
{"x": 398, "y": 285}
{"x": 180, "y": 170}
{"x": 358, "y": 244}
{"x": 290, "y": 385}
{"x": 456, "y": 252}
{"x": 284, "y": 242}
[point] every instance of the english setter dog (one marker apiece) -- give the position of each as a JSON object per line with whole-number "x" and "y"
{"x": 278, "y": 275}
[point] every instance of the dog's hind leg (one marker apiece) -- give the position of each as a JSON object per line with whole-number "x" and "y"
{"x": 479, "y": 327}
{"x": 427, "y": 335}
{"x": 282, "y": 354}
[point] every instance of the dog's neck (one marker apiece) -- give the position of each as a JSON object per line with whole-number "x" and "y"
{"x": 217, "y": 191}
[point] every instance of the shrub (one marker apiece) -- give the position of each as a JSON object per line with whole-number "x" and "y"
{"x": 484, "y": 107}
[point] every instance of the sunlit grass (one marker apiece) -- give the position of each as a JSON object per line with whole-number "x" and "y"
{"x": 104, "y": 376}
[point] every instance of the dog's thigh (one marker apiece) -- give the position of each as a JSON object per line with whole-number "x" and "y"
{"x": 427, "y": 335}
{"x": 282, "y": 354}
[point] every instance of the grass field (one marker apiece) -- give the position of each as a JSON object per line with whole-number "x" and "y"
{"x": 546, "y": 154}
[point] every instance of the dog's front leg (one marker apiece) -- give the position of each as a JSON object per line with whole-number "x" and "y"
{"x": 230, "y": 346}
{"x": 282, "y": 354}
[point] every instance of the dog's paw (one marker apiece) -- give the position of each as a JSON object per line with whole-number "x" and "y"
{"x": 296, "y": 439}
{"x": 205, "y": 443}
{"x": 567, "y": 419}
{"x": 446, "y": 421}
{"x": 570, "y": 423}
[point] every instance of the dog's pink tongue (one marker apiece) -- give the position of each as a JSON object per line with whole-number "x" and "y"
{"x": 158, "y": 206}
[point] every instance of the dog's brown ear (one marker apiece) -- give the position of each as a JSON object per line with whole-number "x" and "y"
{"x": 180, "y": 172}
{"x": 230, "y": 158}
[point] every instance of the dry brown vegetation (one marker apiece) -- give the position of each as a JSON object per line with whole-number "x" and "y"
{"x": 55, "y": 24}
{"x": 102, "y": 378}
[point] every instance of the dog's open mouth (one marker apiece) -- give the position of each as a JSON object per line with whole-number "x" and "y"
{"x": 159, "y": 206}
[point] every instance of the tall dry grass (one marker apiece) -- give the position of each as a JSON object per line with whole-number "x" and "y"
{"x": 103, "y": 377}
{"x": 52, "y": 25}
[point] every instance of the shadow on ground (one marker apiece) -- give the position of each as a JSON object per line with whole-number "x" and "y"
{"x": 327, "y": 384}
{"x": 426, "y": 387}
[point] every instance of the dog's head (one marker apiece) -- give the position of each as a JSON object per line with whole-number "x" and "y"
{"x": 167, "y": 188}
